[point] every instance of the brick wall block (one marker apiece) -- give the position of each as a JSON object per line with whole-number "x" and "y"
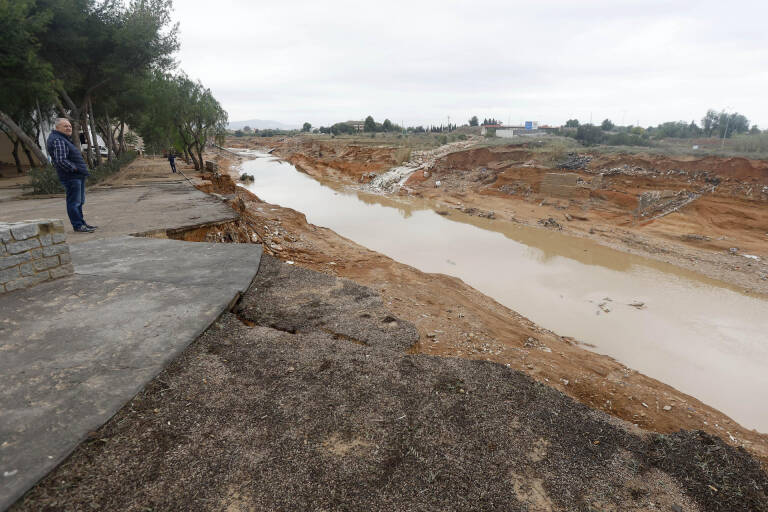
{"x": 46, "y": 263}
{"x": 46, "y": 240}
{"x": 26, "y": 282}
{"x": 25, "y": 231}
{"x": 65, "y": 258}
{"x": 5, "y": 233}
{"x": 62, "y": 271}
{"x": 54, "y": 250}
{"x": 9, "y": 274}
{"x": 14, "y": 260}
{"x": 59, "y": 237}
{"x": 22, "y": 245}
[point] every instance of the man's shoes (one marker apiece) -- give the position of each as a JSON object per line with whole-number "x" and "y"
{"x": 91, "y": 227}
{"x": 84, "y": 229}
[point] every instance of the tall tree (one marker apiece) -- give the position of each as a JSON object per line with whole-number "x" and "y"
{"x": 369, "y": 125}
{"x": 25, "y": 78}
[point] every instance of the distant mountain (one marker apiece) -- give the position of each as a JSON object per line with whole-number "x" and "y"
{"x": 261, "y": 124}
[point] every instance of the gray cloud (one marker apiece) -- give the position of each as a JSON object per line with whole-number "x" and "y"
{"x": 419, "y": 62}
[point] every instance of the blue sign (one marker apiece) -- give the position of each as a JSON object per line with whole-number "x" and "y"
{"x": 529, "y": 125}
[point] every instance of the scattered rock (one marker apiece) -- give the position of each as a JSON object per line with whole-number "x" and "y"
{"x": 695, "y": 237}
{"x": 733, "y": 250}
{"x": 550, "y": 223}
{"x": 667, "y": 407}
{"x": 637, "y": 304}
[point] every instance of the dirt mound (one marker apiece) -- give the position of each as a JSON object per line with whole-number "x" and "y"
{"x": 479, "y": 157}
{"x": 257, "y": 418}
{"x": 739, "y": 168}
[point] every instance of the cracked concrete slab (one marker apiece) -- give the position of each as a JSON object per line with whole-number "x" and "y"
{"x": 128, "y": 210}
{"x": 73, "y": 351}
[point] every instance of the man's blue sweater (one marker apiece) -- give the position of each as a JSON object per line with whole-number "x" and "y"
{"x": 66, "y": 158}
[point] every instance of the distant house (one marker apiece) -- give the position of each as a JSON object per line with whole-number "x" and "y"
{"x": 484, "y": 128}
{"x": 358, "y": 126}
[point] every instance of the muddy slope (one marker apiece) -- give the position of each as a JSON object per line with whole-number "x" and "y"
{"x": 316, "y": 406}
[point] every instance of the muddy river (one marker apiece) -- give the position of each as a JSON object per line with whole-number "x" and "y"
{"x": 701, "y": 336}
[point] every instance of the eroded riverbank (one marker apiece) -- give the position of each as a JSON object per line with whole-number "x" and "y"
{"x": 473, "y": 325}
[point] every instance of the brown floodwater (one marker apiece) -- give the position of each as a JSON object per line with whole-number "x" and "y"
{"x": 702, "y": 336}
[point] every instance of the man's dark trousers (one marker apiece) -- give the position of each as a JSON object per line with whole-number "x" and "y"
{"x": 75, "y": 188}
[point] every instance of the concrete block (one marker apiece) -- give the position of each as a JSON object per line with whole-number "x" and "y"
{"x": 15, "y": 260}
{"x": 65, "y": 258}
{"x": 3, "y": 250}
{"x": 24, "y": 231}
{"x": 5, "y": 233}
{"x": 62, "y": 271}
{"x": 46, "y": 240}
{"x": 46, "y": 263}
{"x": 9, "y": 275}
{"x": 58, "y": 225}
{"x": 54, "y": 250}
{"x": 22, "y": 245}
{"x": 28, "y": 269}
{"x": 59, "y": 237}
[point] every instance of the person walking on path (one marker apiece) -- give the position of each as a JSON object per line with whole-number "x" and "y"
{"x": 72, "y": 171}
{"x": 172, "y": 160}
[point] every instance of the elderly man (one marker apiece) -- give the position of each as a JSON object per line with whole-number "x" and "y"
{"x": 72, "y": 172}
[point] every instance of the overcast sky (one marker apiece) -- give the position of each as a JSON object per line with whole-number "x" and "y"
{"x": 420, "y": 61}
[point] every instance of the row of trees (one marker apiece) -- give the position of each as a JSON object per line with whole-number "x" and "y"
{"x": 713, "y": 124}
{"x": 105, "y": 65}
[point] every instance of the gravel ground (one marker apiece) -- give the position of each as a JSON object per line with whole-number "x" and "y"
{"x": 306, "y": 399}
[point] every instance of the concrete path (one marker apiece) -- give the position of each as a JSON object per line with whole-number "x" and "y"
{"x": 127, "y": 210}
{"x": 73, "y": 351}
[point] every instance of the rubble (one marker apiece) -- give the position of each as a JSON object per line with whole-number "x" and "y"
{"x": 575, "y": 161}
{"x": 550, "y": 223}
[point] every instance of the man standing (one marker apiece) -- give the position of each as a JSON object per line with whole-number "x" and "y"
{"x": 172, "y": 160}
{"x": 72, "y": 171}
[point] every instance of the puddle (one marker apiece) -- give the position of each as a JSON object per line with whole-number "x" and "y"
{"x": 699, "y": 335}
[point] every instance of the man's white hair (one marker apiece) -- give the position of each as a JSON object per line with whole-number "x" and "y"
{"x": 60, "y": 121}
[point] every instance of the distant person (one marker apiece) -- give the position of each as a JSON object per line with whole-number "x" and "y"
{"x": 172, "y": 160}
{"x": 72, "y": 171}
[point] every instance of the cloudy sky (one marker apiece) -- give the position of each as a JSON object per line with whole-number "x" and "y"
{"x": 420, "y": 61}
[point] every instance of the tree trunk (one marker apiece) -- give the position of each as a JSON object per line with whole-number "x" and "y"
{"x": 121, "y": 137}
{"x": 18, "y": 132}
{"x": 94, "y": 133}
{"x": 15, "y": 153}
{"x": 88, "y": 145}
{"x": 200, "y": 156}
{"x": 110, "y": 141}
{"x": 29, "y": 155}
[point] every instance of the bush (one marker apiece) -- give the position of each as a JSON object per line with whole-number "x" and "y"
{"x": 757, "y": 143}
{"x": 44, "y": 180}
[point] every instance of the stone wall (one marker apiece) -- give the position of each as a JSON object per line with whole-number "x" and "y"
{"x": 31, "y": 252}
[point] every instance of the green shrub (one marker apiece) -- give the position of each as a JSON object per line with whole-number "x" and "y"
{"x": 757, "y": 143}
{"x": 44, "y": 180}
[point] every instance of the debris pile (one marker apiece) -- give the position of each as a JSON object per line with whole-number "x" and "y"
{"x": 575, "y": 161}
{"x": 550, "y": 223}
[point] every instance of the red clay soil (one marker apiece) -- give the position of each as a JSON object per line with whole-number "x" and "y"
{"x": 472, "y": 325}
